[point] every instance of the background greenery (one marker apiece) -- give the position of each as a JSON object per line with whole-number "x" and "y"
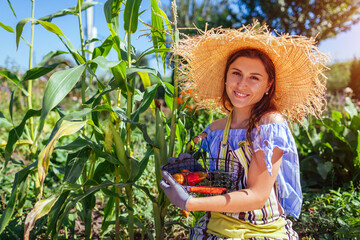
{"x": 112, "y": 129}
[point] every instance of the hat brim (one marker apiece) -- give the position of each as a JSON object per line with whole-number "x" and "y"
{"x": 300, "y": 84}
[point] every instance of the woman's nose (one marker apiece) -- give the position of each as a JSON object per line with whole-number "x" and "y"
{"x": 241, "y": 82}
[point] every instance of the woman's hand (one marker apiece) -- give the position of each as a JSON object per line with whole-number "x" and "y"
{"x": 174, "y": 191}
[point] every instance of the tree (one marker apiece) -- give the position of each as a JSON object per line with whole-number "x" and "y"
{"x": 354, "y": 83}
{"x": 321, "y": 18}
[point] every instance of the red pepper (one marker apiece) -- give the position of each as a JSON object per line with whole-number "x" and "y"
{"x": 194, "y": 178}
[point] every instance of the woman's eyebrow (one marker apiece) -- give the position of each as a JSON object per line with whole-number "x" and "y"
{"x": 255, "y": 73}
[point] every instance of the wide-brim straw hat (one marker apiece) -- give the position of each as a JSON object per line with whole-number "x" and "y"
{"x": 299, "y": 66}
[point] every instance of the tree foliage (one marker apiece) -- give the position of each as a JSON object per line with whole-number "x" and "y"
{"x": 354, "y": 83}
{"x": 324, "y": 18}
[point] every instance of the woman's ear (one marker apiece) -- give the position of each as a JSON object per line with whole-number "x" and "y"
{"x": 270, "y": 83}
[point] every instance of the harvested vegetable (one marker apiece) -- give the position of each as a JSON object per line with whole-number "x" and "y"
{"x": 185, "y": 213}
{"x": 194, "y": 178}
{"x": 179, "y": 177}
{"x": 206, "y": 189}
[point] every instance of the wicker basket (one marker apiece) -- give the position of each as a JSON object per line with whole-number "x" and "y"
{"x": 221, "y": 175}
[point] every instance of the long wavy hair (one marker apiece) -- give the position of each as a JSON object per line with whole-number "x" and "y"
{"x": 266, "y": 104}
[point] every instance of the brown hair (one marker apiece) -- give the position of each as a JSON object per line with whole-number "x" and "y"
{"x": 265, "y": 104}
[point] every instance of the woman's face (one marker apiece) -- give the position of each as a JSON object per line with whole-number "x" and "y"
{"x": 246, "y": 82}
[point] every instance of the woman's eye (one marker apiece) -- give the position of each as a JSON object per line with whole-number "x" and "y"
{"x": 237, "y": 73}
{"x": 255, "y": 78}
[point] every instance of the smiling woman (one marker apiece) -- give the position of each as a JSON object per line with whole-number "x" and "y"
{"x": 260, "y": 81}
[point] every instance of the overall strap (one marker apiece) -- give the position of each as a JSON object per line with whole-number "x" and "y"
{"x": 226, "y": 130}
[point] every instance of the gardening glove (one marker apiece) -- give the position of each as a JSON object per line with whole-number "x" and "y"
{"x": 177, "y": 195}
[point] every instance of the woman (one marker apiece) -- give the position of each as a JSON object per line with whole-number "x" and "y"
{"x": 260, "y": 80}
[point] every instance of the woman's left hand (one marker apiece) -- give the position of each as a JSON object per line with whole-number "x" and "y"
{"x": 174, "y": 191}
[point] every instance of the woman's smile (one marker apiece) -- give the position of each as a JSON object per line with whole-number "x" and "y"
{"x": 246, "y": 82}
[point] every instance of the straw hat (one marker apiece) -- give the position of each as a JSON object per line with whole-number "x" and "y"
{"x": 299, "y": 66}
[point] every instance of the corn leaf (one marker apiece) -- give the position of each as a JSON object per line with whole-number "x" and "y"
{"x": 16, "y": 133}
{"x": 51, "y": 27}
{"x": 131, "y": 15}
{"x": 7, "y": 28}
{"x": 148, "y": 99}
{"x": 40, "y": 209}
{"x": 73, "y": 10}
{"x": 59, "y": 85}
{"x": 49, "y": 56}
{"x": 66, "y": 128}
{"x": 20, "y": 177}
{"x": 11, "y": 7}
{"x": 4, "y": 122}
{"x": 37, "y": 72}
{"x": 111, "y": 11}
{"x": 19, "y": 28}
{"x": 104, "y": 63}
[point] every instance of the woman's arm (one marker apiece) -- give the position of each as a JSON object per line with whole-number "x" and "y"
{"x": 254, "y": 197}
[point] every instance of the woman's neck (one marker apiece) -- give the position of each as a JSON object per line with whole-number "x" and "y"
{"x": 240, "y": 118}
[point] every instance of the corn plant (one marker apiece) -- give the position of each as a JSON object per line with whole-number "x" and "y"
{"x": 100, "y": 158}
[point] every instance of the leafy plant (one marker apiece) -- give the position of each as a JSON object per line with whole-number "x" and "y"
{"x": 100, "y": 156}
{"x": 330, "y": 148}
{"x": 331, "y": 215}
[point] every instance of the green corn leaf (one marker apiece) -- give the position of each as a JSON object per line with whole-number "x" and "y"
{"x": 20, "y": 177}
{"x": 59, "y": 85}
{"x": 12, "y": 9}
{"x": 4, "y": 123}
{"x": 16, "y": 133}
{"x": 120, "y": 113}
{"x": 73, "y": 10}
{"x": 143, "y": 164}
{"x": 7, "y": 28}
{"x": 66, "y": 128}
{"x": 151, "y": 51}
{"x": 40, "y": 209}
{"x": 169, "y": 98}
{"x": 13, "y": 78}
{"x": 104, "y": 63}
{"x": 103, "y": 50}
{"x": 75, "y": 164}
{"x": 19, "y": 28}
{"x": 131, "y": 15}
{"x": 37, "y": 72}
{"x": 111, "y": 11}
{"x": 51, "y": 27}
{"x": 75, "y": 198}
{"x": 119, "y": 73}
{"x": 109, "y": 211}
{"x": 157, "y": 29}
{"x": 147, "y": 100}
{"x": 49, "y": 56}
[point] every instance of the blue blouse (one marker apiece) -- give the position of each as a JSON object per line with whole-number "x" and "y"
{"x": 266, "y": 139}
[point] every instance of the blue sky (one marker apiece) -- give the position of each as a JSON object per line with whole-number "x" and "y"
{"x": 343, "y": 47}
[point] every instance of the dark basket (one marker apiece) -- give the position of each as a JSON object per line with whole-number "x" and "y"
{"x": 221, "y": 173}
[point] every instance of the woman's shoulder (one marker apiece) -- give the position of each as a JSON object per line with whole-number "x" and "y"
{"x": 218, "y": 124}
{"x": 272, "y": 117}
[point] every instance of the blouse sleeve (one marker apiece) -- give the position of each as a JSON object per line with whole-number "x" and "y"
{"x": 288, "y": 180}
{"x": 206, "y": 141}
